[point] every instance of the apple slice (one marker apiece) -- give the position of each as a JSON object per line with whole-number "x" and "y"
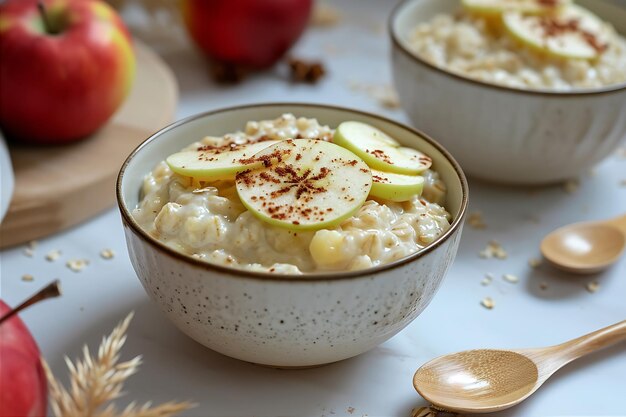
{"x": 216, "y": 163}
{"x": 492, "y": 7}
{"x": 396, "y": 187}
{"x": 573, "y": 32}
{"x": 305, "y": 184}
{"x": 378, "y": 150}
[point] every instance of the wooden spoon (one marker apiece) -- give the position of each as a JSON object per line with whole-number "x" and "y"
{"x": 586, "y": 248}
{"x": 485, "y": 380}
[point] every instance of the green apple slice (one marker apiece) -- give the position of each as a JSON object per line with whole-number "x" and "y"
{"x": 305, "y": 184}
{"x": 573, "y": 32}
{"x": 216, "y": 163}
{"x": 493, "y": 7}
{"x": 377, "y": 149}
{"x": 395, "y": 187}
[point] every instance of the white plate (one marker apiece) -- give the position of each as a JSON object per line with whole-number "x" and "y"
{"x": 6, "y": 178}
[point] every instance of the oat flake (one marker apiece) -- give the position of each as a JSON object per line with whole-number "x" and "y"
{"x": 107, "y": 254}
{"x": 488, "y": 303}
{"x": 53, "y": 255}
{"x": 77, "y": 265}
{"x": 593, "y": 286}
{"x": 534, "y": 262}
{"x": 476, "y": 220}
{"x": 27, "y": 277}
{"x": 510, "y": 278}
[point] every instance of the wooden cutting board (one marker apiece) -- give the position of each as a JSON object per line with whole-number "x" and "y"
{"x": 58, "y": 187}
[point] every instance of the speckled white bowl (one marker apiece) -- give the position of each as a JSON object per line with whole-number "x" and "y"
{"x": 504, "y": 134}
{"x": 286, "y": 321}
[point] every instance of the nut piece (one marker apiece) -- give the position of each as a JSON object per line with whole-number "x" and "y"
{"x": 53, "y": 255}
{"x": 306, "y": 71}
{"x": 488, "y": 303}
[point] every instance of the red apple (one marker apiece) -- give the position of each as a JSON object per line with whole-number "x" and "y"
{"x": 252, "y": 33}
{"x": 24, "y": 390}
{"x": 65, "y": 69}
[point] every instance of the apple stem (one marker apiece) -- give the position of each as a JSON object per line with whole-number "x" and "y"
{"x": 49, "y": 291}
{"x": 44, "y": 17}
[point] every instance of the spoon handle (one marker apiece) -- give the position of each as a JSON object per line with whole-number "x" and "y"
{"x": 619, "y": 222}
{"x": 591, "y": 342}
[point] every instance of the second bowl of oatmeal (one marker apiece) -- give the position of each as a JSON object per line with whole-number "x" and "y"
{"x": 301, "y": 295}
{"x": 508, "y": 111}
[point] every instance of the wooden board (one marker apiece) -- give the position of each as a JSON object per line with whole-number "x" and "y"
{"x": 58, "y": 187}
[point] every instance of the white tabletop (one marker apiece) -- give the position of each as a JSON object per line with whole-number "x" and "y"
{"x": 377, "y": 383}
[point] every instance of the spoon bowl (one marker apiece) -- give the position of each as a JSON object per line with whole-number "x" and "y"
{"x": 465, "y": 381}
{"x": 488, "y": 380}
{"x": 586, "y": 248}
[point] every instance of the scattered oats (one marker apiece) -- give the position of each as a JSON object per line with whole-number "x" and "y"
{"x": 534, "y": 262}
{"x": 493, "y": 250}
{"x": 325, "y": 15}
{"x": 571, "y": 186}
{"x": 593, "y": 286}
{"x": 510, "y": 278}
{"x": 385, "y": 94}
{"x": 476, "y": 220}
{"x": 423, "y": 412}
{"x": 27, "y": 277}
{"x": 387, "y": 97}
{"x": 77, "y": 265}
{"x": 53, "y": 255}
{"x": 107, "y": 254}
{"x": 543, "y": 285}
{"x": 351, "y": 410}
{"x": 487, "y": 280}
{"x": 488, "y": 303}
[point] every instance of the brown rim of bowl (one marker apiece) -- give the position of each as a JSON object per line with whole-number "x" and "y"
{"x": 537, "y": 92}
{"x": 129, "y": 221}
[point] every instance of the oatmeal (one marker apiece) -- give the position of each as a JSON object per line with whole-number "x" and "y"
{"x": 209, "y": 221}
{"x": 554, "y": 51}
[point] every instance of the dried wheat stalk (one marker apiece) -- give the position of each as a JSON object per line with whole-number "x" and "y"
{"x": 96, "y": 381}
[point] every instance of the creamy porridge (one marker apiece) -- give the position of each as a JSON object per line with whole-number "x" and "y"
{"x": 562, "y": 49}
{"x": 208, "y": 220}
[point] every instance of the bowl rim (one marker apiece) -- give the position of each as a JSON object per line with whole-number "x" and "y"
{"x": 576, "y": 93}
{"x": 130, "y": 222}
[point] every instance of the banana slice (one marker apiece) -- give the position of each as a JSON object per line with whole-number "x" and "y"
{"x": 216, "y": 163}
{"x": 573, "y": 32}
{"x": 305, "y": 184}
{"x": 396, "y": 187}
{"x": 378, "y": 150}
{"x": 492, "y": 7}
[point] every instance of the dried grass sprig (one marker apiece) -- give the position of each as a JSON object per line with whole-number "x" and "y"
{"x": 96, "y": 381}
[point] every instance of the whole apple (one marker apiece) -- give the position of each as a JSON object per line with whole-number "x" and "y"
{"x": 66, "y": 67}
{"x": 24, "y": 390}
{"x": 250, "y": 33}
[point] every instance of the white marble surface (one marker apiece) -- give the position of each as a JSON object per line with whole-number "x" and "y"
{"x": 377, "y": 383}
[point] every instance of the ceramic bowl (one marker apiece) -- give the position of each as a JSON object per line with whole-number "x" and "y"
{"x": 504, "y": 134}
{"x": 279, "y": 320}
